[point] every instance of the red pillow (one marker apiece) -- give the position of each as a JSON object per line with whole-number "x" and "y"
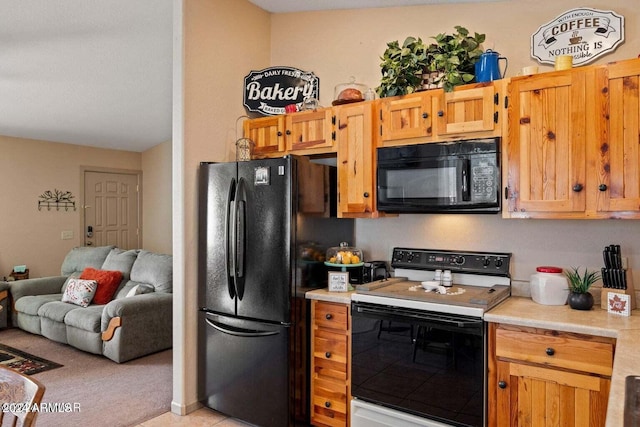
{"x": 108, "y": 282}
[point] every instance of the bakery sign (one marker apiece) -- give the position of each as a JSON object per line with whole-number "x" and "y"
{"x": 583, "y": 33}
{"x": 270, "y": 90}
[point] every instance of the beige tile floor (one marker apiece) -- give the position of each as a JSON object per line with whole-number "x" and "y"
{"x": 203, "y": 417}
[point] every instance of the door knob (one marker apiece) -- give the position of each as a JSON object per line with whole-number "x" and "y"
{"x": 577, "y": 188}
{"x": 550, "y": 351}
{"x": 502, "y": 384}
{"x": 329, "y": 316}
{"x": 327, "y": 355}
{"x": 602, "y": 187}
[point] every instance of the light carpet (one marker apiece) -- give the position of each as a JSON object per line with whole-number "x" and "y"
{"x": 95, "y": 390}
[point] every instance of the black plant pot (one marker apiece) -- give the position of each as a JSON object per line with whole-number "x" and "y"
{"x": 580, "y": 301}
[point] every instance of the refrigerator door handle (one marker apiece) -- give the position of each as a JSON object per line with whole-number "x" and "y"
{"x": 239, "y": 242}
{"x": 230, "y": 239}
{"x": 239, "y": 332}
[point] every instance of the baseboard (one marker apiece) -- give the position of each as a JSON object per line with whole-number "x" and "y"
{"x": 181, "y": 410}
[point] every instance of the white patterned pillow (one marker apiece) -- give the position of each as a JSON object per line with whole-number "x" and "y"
{"x": 80, "y": 292}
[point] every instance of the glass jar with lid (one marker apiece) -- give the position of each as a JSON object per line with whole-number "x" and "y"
{"x": 344, "y": 255}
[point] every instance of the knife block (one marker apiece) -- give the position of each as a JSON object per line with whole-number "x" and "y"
{"x": 629, "y": 291}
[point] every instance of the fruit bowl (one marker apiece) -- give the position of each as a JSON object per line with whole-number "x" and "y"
{"x": 344, "y": 255}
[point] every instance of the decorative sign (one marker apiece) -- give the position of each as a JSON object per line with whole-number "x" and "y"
{"x": 270, "y": 90}
{"x": 619, "y": 303}
{"x": 582, "y": 33}
{"x": 339, "y": 281}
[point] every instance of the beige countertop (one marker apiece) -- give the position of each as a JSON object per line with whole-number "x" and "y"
{"x": 524, "y": 312}
{"x": 331, "y": 296}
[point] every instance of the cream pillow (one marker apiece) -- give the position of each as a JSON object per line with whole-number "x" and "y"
{"x": 80, "y": 292}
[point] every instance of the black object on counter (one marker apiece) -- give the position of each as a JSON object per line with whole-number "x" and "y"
{"x": 613, "y": 275}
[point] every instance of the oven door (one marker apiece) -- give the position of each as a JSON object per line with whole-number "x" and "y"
{"x": 431, "y": 365}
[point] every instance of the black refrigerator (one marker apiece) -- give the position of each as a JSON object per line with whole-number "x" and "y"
{"x": 254, "y": 216}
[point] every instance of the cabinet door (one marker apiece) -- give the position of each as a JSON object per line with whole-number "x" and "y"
{"x": 408, "y": 116}
{"x": 546, "y": 153}
{"x": 356, "y": 159}
{"x": 535, "y": 396}
{"x": 617, "y": 131}
{"x": 309, "y": 129}
{"x": 468, "y": 110}
{"x": 266, "y": 134}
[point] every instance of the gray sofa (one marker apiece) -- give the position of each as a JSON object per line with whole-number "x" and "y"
{"x": 131, "y": 325}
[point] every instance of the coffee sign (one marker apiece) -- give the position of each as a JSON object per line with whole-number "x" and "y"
{"x": 270, "y": 90}
{"x": 583, "y": 33}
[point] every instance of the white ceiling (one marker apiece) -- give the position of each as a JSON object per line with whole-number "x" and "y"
{"x": 94, "y": 72}
{"x": 98, "y": 72}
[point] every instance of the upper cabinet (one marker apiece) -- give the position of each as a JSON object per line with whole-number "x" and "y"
{"x": 572, "y": 145}
{"x": 616, "y": 138}
{"x": 305, "y": 132}
{"x": 406, "y": 117}
{"x": 546, "y": 144}
{"x": 310, "y": 131}
{"x": 356, "y": 161}
{"x": 469, "y": 109}
{"x": 267, "y": 133}
{"x": 468, "y": 112}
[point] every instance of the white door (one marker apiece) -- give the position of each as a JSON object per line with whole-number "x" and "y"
{"x": 112, "y": 209}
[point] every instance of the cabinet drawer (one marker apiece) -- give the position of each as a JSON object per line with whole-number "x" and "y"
{"x": 558, "y": 351}
{"x": 330, "y": 399}
{"x": 330, "y": 346}
{"x": 329, "y": 315}
{"x": 327, "y": 368}
{"x": 322, "y": 416}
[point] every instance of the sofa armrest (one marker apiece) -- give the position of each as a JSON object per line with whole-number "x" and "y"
{"x": 39, "y": 286}
{"x": 141, "y": 309}
{"x": 136, "y": 326}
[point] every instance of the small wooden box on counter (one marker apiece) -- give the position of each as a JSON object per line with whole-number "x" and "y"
{"x": 604, "y": 296}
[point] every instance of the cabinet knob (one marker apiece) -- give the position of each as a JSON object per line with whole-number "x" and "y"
{"x": 440, "y": 113}
{"x": 502, "y": 384}
{"x": 577, "y": 188}
{"x": 288, "y": 132}
{"x": 602, "y": 187}
{"x": 366, "y": 194}
{"x": 328, "y": 316}
{"x": 550, "y": 351}
{"x": 327, "y": 355}
{"x": 425, "y": 115}
{"x": 279, "y": 133}
{"x": 327, "y": 404}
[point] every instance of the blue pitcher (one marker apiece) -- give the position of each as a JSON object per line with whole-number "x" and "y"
{"x": 487, "y": 68}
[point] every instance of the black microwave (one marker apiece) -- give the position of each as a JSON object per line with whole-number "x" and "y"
{"x": 444, "y": 177}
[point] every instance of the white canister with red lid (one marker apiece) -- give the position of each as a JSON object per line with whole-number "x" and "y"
{"x": 549, "y": 286}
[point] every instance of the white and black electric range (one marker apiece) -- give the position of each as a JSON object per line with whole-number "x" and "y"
{"x": 419, "y": 357}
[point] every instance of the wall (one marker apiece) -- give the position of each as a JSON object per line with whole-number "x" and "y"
{"x": 156, "y": 199}
{"x": 27, "y": 169}
{"x": 222, "y": 40}
{"x": 339, "y": 44}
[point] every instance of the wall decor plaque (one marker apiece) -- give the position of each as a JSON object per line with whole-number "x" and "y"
{"x": 583, "y": 33}
{"x": 270, "y": 90}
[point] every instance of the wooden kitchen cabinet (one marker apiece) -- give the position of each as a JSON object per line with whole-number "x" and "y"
{"x": 540, "y": 377}
{"x": 267, "y": 134}
{"x": 471, "y": 111}
{"x": 309, "y": 132}
{"x": 356, "y": 161}
{"x": 614, "y": 133}
{"x": 545, "y": 153}
{"x": 572, "y": 149}
{"x": 406, "y": 117}
{"x": 330, "y": 364}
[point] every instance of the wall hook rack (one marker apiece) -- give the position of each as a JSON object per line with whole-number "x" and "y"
{"x": 56, "y": 199}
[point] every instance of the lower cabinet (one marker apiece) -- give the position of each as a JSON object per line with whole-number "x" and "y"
{"x": 330, "y": 367}
{"x": 540, "y": 377}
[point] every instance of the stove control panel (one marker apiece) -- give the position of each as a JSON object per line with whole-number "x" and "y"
{"x": 490, "y": 263}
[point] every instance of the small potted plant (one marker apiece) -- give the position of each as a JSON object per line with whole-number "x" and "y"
{"x": 402, "y": 67}
{"x": 579, "y": 284}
